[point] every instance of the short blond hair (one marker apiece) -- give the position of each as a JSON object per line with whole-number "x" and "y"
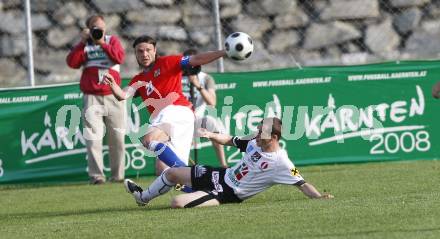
{"x": 93, "y": 19}
{"x": 276, "y": 125}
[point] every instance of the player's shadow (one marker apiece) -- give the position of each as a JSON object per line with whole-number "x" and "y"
{"x": 7, "y": 216}
{"x": 372, "y": 232}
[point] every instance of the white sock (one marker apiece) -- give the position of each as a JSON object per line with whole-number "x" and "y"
{"x": 152, "y": 146}
{"x": 160, "y": 186}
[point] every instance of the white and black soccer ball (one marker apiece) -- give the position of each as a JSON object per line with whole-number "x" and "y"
{"x": 239, "y": 46}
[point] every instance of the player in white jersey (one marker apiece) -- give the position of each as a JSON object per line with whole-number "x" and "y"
{"x": 263, "y": 165}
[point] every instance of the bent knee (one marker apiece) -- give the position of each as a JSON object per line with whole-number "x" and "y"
{"x": 147, "y": 140}
{"x": 171, "y": 174}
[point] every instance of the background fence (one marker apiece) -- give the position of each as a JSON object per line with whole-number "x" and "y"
{"x": 356, "y": 114}
{"x": 287, "y": 33}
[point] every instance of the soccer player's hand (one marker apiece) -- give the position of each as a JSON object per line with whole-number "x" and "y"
{"x": 327, "y": 196}
{"x": 204, "y": 133}
{"x": 85, "y": 34}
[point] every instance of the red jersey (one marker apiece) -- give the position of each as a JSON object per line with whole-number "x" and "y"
{"x": 94, "y": 57}
{"x": 163, "y": 81}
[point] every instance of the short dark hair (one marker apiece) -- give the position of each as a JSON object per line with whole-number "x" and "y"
{"x": 144, "y": 39}
{"x": 276, "y": 126}
{"x": 92, "y": 19}
{"x": 190, "y": 52}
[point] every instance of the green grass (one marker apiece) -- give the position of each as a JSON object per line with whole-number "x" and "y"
{"x": 375, "y": 200}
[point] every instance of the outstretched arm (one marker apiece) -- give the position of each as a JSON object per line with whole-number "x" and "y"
{"x": 218, "y": 138}
{"x": 120, "y": 94}
{"x": 206, "y": 57}
{"x": 310, "y": 191}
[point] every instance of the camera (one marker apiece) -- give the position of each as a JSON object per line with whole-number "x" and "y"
{"x": 191, "y": 70}
{"x": 96, "y": 33}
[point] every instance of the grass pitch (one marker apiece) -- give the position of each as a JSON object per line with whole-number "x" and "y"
{"x": 374, "y": 200}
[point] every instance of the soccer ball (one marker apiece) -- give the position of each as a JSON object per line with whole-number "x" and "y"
{"x": 239, "y": 46}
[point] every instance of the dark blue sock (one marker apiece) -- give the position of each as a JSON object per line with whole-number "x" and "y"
{"x": 166, "y": 155}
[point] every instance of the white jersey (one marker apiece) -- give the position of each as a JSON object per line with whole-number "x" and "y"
{"x": 259, "y": 170}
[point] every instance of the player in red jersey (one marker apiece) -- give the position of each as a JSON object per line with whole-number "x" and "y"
{"x": 160, "y": 86}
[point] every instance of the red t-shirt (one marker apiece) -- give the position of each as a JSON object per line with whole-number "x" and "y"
{"x": 162, "y": 84}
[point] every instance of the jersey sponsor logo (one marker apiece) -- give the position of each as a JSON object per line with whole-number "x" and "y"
{"x": 215, "y": 181}
{"x": 157, "y": 73}
{"x": 231, "y": 177}
{"x": 249, "y": 148}
{"x": 149, "y": 88}
{"x": 264, "y": 165}
{"x": 294, "y": 172}
{"x": 97, "y": 54}
{"x": 255, "y": 157}
{"x": 241, "y": 171}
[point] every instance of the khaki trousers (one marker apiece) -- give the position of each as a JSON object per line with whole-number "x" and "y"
{"x": 104, "y": 115}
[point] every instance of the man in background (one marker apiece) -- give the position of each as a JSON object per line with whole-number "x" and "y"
{"x": 100, "y": 54}
{"x": 199, "y": 88}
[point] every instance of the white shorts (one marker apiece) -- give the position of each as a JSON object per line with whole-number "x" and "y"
{"x": 178, "y": 122}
